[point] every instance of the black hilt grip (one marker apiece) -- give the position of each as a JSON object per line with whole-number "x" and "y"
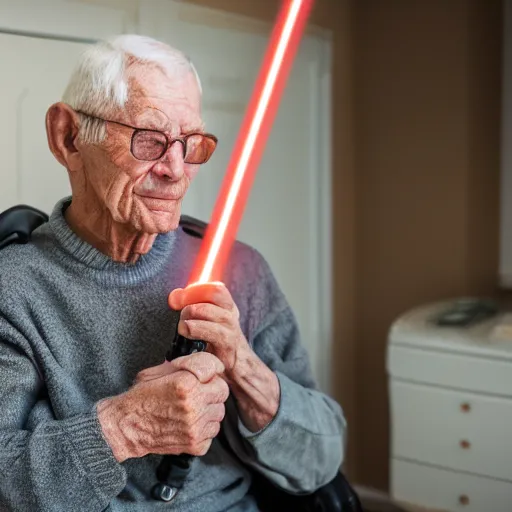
{"x": 173, "y": 470}
{"x": 182, "y": 346}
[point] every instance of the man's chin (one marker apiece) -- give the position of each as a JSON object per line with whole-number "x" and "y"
{"x": 153, "y": 216}
{"x": 158, "y": 221}
{"x": 165, "y": 221}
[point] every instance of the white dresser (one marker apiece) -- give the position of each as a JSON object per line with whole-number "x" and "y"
{"x": 450, "y": 391}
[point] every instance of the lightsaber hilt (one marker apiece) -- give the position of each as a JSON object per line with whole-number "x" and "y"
{"x": 182, "y": 346}
{"x": 174, "y": 469}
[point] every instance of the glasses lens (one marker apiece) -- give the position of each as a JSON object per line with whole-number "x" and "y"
{"x": 199, "y": 148}
{"x": 148, "y": 145}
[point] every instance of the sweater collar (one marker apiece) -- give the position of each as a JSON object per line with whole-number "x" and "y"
{"x": 91, "y": 258}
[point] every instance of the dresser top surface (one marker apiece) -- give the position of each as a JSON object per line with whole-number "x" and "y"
{"x": 488, "y": 338}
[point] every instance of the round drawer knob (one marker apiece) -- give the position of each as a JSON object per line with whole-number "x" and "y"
{"x": 464, "y": 499}
{"x": 465, "y": 444}
{"x": 465, "y": 407}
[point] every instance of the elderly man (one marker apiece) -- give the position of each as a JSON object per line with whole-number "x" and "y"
{"x": 88, "y": 404}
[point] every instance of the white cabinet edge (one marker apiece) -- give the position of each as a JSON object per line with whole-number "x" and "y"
{"x": 415, "y": 329}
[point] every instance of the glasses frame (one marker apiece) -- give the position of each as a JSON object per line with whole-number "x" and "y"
{"x": 168, "y": 140}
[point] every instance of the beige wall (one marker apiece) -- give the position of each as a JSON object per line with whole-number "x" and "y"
{"x": 427, "y": 96}
{"x": 415, "y": 180}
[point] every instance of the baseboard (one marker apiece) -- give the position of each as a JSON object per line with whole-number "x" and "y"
{"x": 374, "y": 500}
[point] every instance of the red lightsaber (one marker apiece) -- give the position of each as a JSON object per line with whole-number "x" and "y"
{"x": 228, "y": 209}
{"x": 230, "y": 204}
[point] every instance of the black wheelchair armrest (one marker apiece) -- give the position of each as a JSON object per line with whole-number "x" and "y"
{"x": 18, "y": 222}
{"x": 336, "y": 496}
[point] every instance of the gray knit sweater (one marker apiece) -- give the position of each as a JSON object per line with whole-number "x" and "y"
{"x": 76, "y": 327}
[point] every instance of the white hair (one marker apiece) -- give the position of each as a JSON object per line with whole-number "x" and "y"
{"x": 99, "y": 85}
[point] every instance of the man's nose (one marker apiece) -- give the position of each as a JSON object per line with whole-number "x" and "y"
{"x": 171, "y": 165}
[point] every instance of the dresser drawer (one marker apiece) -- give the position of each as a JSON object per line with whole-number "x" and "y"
{"x": 456, "y": 430}
{"x": 462, "y": 371}
{"x": 448, "y": 490}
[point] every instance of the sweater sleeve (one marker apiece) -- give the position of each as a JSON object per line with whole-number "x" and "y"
{"x": 48, "y": 464}
{"x": 302, "y": 449}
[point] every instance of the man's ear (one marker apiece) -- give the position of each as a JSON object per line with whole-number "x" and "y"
{"x": 62, "y": 130}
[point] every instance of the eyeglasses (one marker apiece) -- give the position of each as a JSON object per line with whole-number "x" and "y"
{"x": 151, "y": 145}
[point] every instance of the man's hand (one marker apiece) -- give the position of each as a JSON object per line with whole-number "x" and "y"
{"x": 208, "y": 313}
{"x": 173, "y": 408}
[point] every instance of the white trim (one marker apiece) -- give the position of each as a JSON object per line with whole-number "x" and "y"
{"x": 19, "y": 144}
{"x": 60, "y": 20}
{"x": 314, "y": 188}
{"x": 506, "y": 280}
{"x": 320, "y": 252}
{"x": 505, "y": 263}
{"x": 324, "y": 197}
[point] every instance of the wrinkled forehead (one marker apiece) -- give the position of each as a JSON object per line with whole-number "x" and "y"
{"x": 162, "y": 98}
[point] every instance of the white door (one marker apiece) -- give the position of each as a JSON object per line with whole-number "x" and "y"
{"x": 34, "y": 77}
{"x": 287, "y": 217}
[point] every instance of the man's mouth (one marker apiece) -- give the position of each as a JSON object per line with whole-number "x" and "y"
{"x": 159, "y": 204}
{"x": 164, "y": 196}
{"x": 158, "y": 195}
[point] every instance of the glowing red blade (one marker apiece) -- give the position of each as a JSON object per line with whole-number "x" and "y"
{"x": 248, "y": 150}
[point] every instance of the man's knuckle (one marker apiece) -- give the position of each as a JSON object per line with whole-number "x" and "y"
{"x": 187, "y": 410}
{"x": 144, "y": 440}
{"x": 224, "y": 390}
{"x": 214, "y": 429}
{"x": 141, "y": 376}
{"x": 226, "y": 316}
{"x": 193, "y": 438}
{"x": 175, "y": 364}
{"x": 219, "y": 366}
{"x": 225, "y": 336}
{"x": 221, "y": 412}
{"x": 203, "y": 448}
{"x": 180, "y": 390}
{"x": 209, "y": 361}
{"x": 193, "y": 450}
{"x": 194, "y": 331}
{"x": 183, "y": 385}
{"x": 196, "y": 310}
{"x": 185, "y": 313}
{"x": 205, "y": 357}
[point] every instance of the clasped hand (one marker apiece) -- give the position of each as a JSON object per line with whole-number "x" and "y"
{"x": 208, "y": 313}
{"x": 177, "y": 407}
